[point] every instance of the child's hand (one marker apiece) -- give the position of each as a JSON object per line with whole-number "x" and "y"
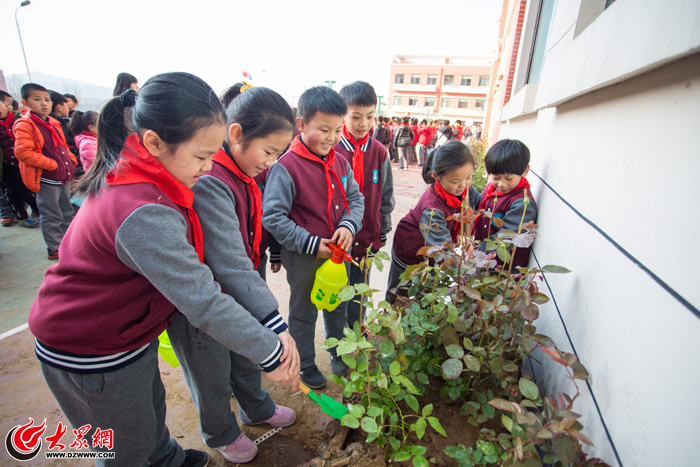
{"x": 323, "y": 250}
{"x": 290, "y": 356}
{"x": 275, "y": 267}
{"x": 279, "y": 375}
{"x": 342, "y": 237}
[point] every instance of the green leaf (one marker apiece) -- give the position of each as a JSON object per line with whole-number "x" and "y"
{"x": 451, "y": 369}
{"x": 400, "y": 456}
{"x": 395, "y": 443}
{"x": 507, "y": 422}
{"x": 467, "y": 343}
{"x": 350, "y": 361}
{"x": 565, "y": 448}
{"x": 369, "y": 425}
{"x": 382, "y": 255}
{"x": 540, "y": 298}
{"x": 330, "y": 343}
{"x": 455, "y": 351}
{"x": 350, "y": 421}
{"x": 379, "y": 265}
{"x": 346, "y": 293}
{"x": 356, "y": 410}
{"x": 346, "y": 347}
{"x": 580, "y": 371}
{"x": 412, "y": 402}
{"x": 503, "y": 404}
{"x": 510, "y": 366}
{"x": 417, "y": 450}
{"x": 408, "y": 384}
{"x": 420, "y": 461}
{"x": 395, "y": 368}
{"x": 472, "y": 363}
{"x": 487, "y": 447}
{"x": 555, "y": 269}
{"x": 529, "y": 389}
{"x": 471, "y": 293}
{"x": 449, "y": 336}
{"x": 386, "y": 348}
{"x": 427, "y": 410}
{"x": 374, "y": 411}
{"x": 435, "y": 423}
{"x": 420, "y": 427}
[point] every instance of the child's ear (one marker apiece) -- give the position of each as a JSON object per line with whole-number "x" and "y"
{"x": 527, "y": 170}
{"x": 434, "y": 175}
{"x": 154, "y": 144}
{"x": 300, "y": 124}
{"x": 235, "y": 133}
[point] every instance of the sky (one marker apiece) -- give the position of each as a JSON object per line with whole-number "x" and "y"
{"x": 287, "y": 45}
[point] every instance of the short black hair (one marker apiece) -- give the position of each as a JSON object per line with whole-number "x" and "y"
{"x": 230, "y": 94}
{"x": 508, "y": 156}
{"x": 414, "y": 121}
{"x": 71, "y": 97}
{"x": 4, "y": 94}
{"x": 446, "y": 122}
{"x": 359, "y": 93}
{"x": 29, "y": 88}
{"x": 57, "y": 99}
{"x": 405, "y": 120}
{"x": 320, "y": 99}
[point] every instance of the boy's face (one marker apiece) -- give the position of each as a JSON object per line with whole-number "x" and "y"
{"x": 359, "y": 120}
{"x": 71, "y": 104}
{"x": 38, "y": 102}
{"x": 62, "y": 110}
{"x": 321, "y": 132}
{"x": 3, "y": 111}
{"x": 505, "y": 183}
{"x": 8, "y": 102}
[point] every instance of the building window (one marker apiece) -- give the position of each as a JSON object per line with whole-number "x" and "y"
{"x": 449, "y": 80}
{"x": 479, "y": 104}
{"x": 446, "y": 103}
{"x": 483, "y": 80}
{"x": 543, "y": 27}
{"x": 466, "y": 80}
{"x": 412, "y": 101}
{"x": 398, "y": 79}
{"x": 463, "y": 104}
{"x": 432, "y": 79}
{"x": 430, "y": 102}
{"x": 397, "y": 100}
{"x": 415, "y": 79}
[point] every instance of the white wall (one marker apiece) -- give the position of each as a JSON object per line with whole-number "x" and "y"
{"x": 626, "y": 157}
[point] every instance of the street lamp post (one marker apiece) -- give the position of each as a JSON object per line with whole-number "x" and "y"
{"x": 24, "y": 3}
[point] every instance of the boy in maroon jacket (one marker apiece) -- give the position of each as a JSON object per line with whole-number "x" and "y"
{"x": 507, "y": 163}
{"x": 372, "y": 170}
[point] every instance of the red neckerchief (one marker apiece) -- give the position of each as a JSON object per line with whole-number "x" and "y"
{"x": 491, "y": 192}
{"x": 7, "y": 123}
{"x": 453, "y": 202}
{"x": 223, "y": 157}
{"x": 299, "y": 148}
{"x": 57, "y": 140}
{"x": 137, "y": 165}
{"x": 89, "y": 133}
{"x": 358, "y": 164}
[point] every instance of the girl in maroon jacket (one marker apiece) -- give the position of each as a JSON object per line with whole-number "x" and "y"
{"x": 448, "y": 170}
{"x": 131, "y": 259}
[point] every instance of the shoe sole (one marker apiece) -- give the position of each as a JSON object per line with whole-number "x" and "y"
{"x": 233, "y": 459}
{"x": 274, "y": 426}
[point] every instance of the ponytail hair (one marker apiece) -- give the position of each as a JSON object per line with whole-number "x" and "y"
{"x": 230, "y": 94}
{"x": 260, "y": 112}
{"x": 174, "y": 105}
{"x": 80, "y": 121}
{"x": 446, "y": 158}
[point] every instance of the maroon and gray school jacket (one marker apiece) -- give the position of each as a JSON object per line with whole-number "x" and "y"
{"x": 378, "y": 191}
{"x": 126, "y": 265}
{"x": 295, "y": 202}
{"x": 509, "y": 207}
{"x": 431, "y": 210}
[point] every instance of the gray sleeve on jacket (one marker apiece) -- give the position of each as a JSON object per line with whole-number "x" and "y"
{"x": 388, "y": 201}
{"x": 224, "y": 251}
{"x": 438, "y": 233}
{"x": 277, "y": 202}
{"x": 511, "y": 220}
{"x": 153, "y": 242}
{"x": 356, "y": 204}
{"x": 474, "y": 198}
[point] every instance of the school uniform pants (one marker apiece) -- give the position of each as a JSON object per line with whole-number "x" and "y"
{"x": 16, "y": 193}
{"x": 422, "y": 154}
{"x": 412, "y": 155}
{"x": 355, "y": 310}
{"x": 301, "y": 272}
{"x": 395, "y": 271}
{"x": 213, "y": 373}
{"x": 404, "y": 152}
{"x": 130, "y": 401}
{"x": 55, "y": 213}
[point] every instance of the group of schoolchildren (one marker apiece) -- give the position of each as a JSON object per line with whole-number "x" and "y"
{"x": 180, "y": 204}
{"x": 409, "y": 142}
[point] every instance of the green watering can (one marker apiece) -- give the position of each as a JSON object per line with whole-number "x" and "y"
{"x": 330, "y": 406}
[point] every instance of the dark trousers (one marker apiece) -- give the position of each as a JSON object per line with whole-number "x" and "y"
{"x": 17, "y": 194}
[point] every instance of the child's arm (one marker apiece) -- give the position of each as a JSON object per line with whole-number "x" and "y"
{"x": 356, "y": 203}
{"x": 25, "y": 147}
{"x": 388, "y": 202}
{"x": 275, "y": 253}
{"x": 88, "y": 150}
{"x": 438, "y": 233}
{"x": 277, "y": 202}
{"x": 511, "y": 219}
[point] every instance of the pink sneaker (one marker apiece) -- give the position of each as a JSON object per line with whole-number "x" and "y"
{"x": 240, "y": 451}
{"x": 283, "y": 417}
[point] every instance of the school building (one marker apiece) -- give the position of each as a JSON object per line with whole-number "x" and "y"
{"x": 431, "y": 87}
{"x": 606, "y": 95}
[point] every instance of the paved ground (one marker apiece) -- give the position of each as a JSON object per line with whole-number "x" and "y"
{"x": 23, "y": 393}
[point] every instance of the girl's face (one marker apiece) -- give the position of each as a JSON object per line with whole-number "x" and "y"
{"x": 190, "y": 160}
{"x": 457, "y": 180}
{"x": 255, "y": 156}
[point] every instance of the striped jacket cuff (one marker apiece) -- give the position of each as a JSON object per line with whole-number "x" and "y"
{"x": 85, "y": 364}
{"x": 348, "y": 224}
{"x": 383, "y": 238}
{"x": 311, "y": 245}
{"x": 273, "y": 360}
{"x": 275, "y": 322}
